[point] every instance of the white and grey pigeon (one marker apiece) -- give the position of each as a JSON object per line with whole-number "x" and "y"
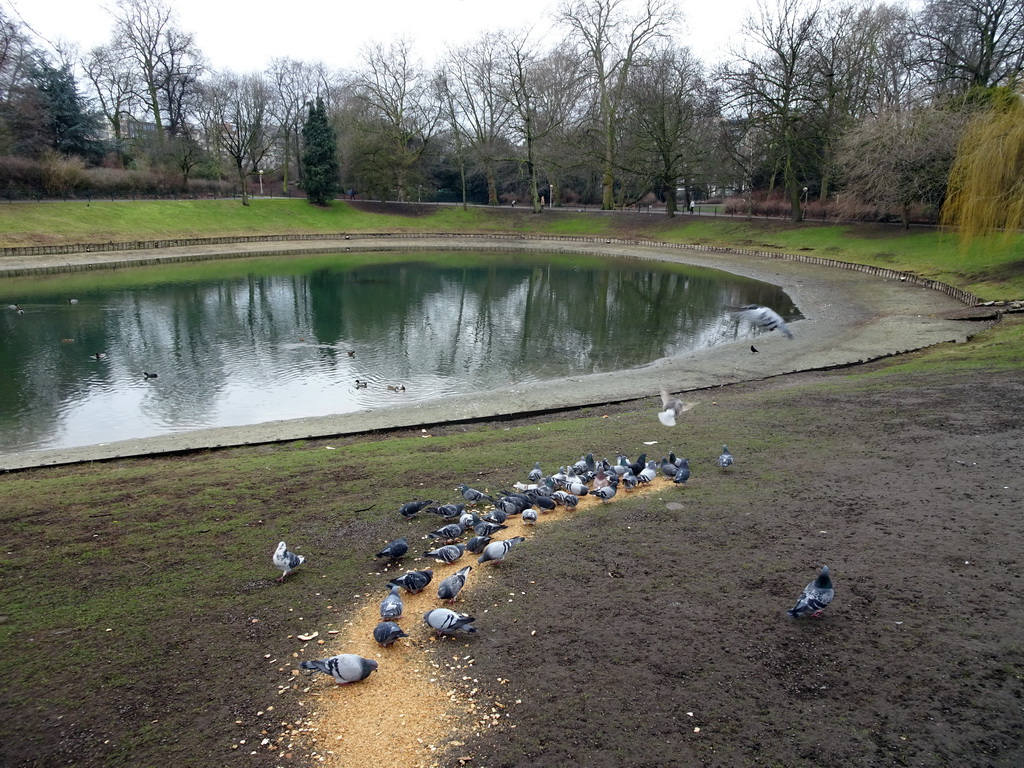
{"x": 391, "y": 607}
{"x": 725, "y": 458}
{"x": 536, "y": 473}
{"x": 286, "y": 561}
{"x": 529, "y": 516}
{"x": 648, "y": 473}
{"x": 815, "y": 598}
{"x": 763, "y": 317}
{"x": 496, "y": 550}
{"x": 671, "y": 408}
{"x": 345, "y": 668}
{"x": 450, "y": 587}
{"x": 449, "y": 553}
{"x": 387, "y": 632}
{"x": 447, "y": 622}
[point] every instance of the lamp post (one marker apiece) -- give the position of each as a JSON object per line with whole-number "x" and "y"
{"x": 803, "y": 207}
{"x": 551, "y": 195}
{"x": 260, "y": 174}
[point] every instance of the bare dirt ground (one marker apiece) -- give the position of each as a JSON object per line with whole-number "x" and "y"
{"x": 661, "y": 637}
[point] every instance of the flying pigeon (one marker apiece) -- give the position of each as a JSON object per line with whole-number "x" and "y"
{"x": 725, "y": 459}
{"x": 447, "y": 622}
{"x": 497, "y": 550}
{"x": 387, "y": 632}
{"x": 472, "y": 495}
{"x": 449, "y": 553}
{"x": 671, "y": 408}
{"x": 345, "y": 668}
{"x": 391, "y": 607}
{"x": 815, "y": 597}
{"x": 763, "y": 317}
{"x": 394, "y": 549}
{"x": 286, "y": 561}
{"x": 413, "y": 581}
{"x": 451, "y": 586}
{"x": 411, "y": 508}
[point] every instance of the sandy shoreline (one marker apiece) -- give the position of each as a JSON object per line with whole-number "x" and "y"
{"x": 850, "y": 316}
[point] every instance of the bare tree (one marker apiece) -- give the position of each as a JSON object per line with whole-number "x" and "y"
{"x": 773, "y": 82}
{"x": 962, "y": 44}
{"x": 476, "y": 101}
{"x": 296, "y": 84}
{"x": 612, "y": 41}
{"x": 671, "y": 115}
{"x": 140, "y": 26}
{"x": 898, "y": 159}
{"x": 114, "y": 84}
{"x": 237, "y": 111}
{"x": 399, "y": 116}
{"x": 180, "y": 66}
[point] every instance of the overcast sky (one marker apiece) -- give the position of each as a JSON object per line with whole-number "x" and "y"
{"x": 245, "y": 36}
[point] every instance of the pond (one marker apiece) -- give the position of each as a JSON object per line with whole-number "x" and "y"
{"x": 239, "y": 342}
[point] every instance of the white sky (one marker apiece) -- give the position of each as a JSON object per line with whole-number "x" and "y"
{"x": 245, "y": 36}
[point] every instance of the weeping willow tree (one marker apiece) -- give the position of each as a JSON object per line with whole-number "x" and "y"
{"x": 986, "y": 183}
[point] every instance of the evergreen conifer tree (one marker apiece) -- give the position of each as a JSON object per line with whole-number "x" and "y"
{"x": 319, "y": 156}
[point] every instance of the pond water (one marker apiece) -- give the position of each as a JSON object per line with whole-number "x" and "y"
{"x": 239, "y": 342}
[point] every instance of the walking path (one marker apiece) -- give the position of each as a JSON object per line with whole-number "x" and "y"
{"x": 851, "y": 316}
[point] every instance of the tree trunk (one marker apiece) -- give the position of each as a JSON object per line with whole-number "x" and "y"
{"x": 492, "y": 186}
{"x": 242, "y": 182}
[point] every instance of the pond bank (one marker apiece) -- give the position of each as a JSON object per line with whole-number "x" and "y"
{"x": 851, "y": 316}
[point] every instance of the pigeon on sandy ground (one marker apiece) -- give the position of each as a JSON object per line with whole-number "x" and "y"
{"x": 449, "y": 553}
{"x": 648, "y": 473}
{"x": 606, "y": 493}
{"x": 530, "y": 516}
{"x": 762, "y": 317}
{"x": 394, "y": 549}
{"x": 413, "y": 581}
{"x": 671, "y": 408}
{"x": 387, "y": 632}
{"x": 450, "y": 587}
{"x": 447, "y": 532}
{"x": 391, "y": 607}
{"x": 477, "y": 543}
{"x": 815, "y": 598}
{"x": 682, "y": 473}
{"x": 496, "y": 550}
{"x": 447, "y": 622}
{"x": 345, "y": 668}
{"x": 286, "y": 561}
{"x": 725, "y": 458}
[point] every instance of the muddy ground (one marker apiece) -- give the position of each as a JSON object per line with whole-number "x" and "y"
{"x": 647, "y": 632}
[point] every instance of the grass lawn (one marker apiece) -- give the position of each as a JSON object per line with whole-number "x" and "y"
{"x": 993, "y": 269}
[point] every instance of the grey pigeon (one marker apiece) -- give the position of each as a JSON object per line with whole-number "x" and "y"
{"x": 391, "y": 607}
{"x": 567, "y": 500}
{"x": 477, "y": 543}
{"x": 413, "y": 581}
{"x": 815, "y": 598}
{"x": 472, "y": 495}
{"x": 409, "y": 509}
{"x": 648, "y": 473}
{"x": 394, "y": 549}
{"x": 449, "y": 553}
{"x": 451, "y": 586}
{"x": 671, "y": 408}
{"x": 606, "y": 493}
{"x": 286, "y": 561}
{"x": 345, "y": 668}
{"x": 763, "y": 317}
{"x": 530, "y": 516}
{"x": 387, "y": 632}
{"x": 483, "y": 528}
{"x": 536, "y": 473}
{"x": 496, "y": 550}
{"x": 682, "y": 473}
{"x": 447, "y": 622}
{"x": 447, "y": 532}
{"x": 725, "y": 458}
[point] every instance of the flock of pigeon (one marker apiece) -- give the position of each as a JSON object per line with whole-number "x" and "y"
{"x": 471, "y": 525}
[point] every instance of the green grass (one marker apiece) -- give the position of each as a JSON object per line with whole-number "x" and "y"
{"x": 992, "y": 268}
